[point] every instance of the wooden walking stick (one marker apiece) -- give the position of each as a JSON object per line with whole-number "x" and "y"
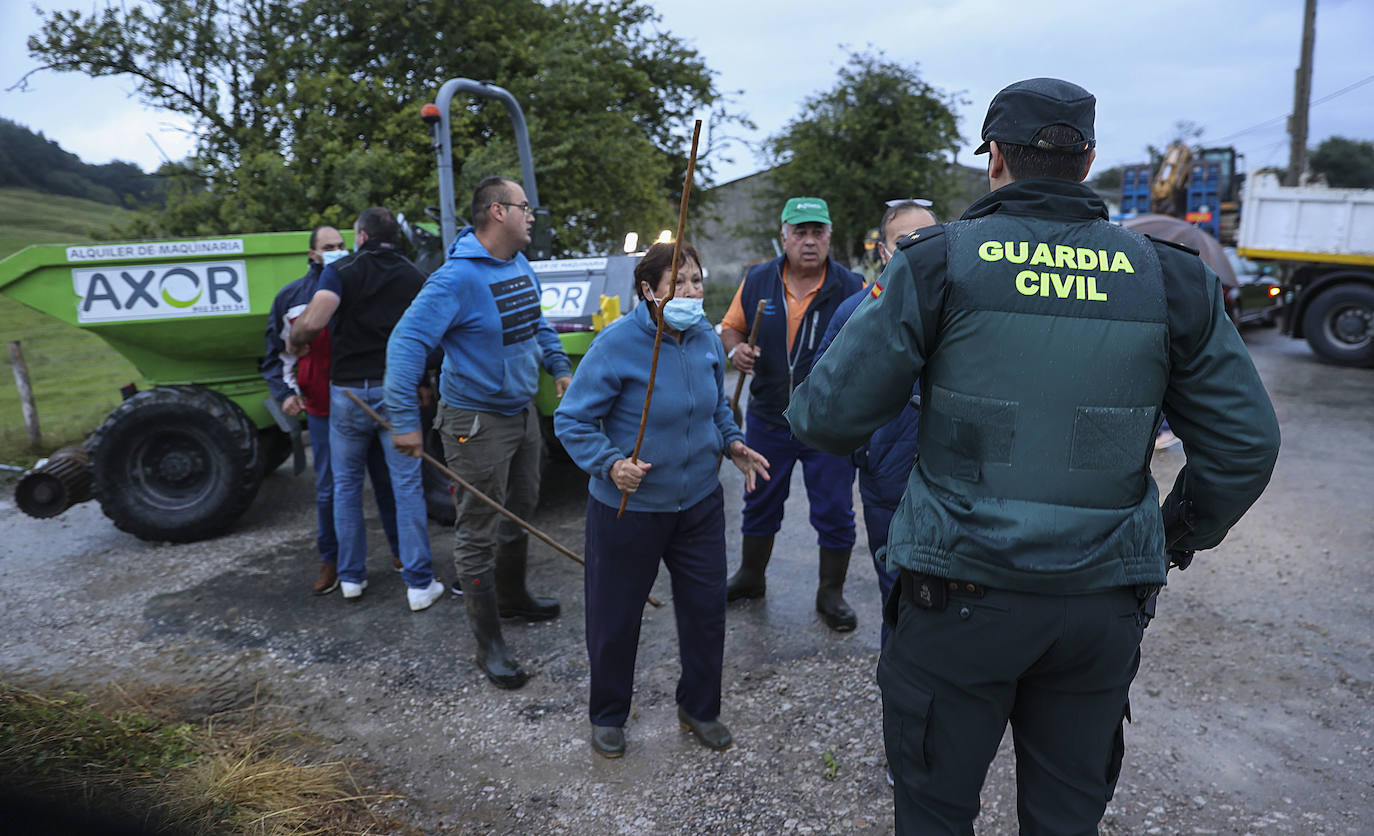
{"x": 753, "y": 341}
{"x": 467, "y": 486}
{"x": 672, "y": 289}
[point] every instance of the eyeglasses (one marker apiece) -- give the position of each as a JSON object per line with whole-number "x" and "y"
{"x": 524, "y": 207}
{"x": 919, "y": 201}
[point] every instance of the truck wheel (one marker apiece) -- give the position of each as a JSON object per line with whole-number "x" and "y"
{"x": 275, "y": 446}
{"x": 1339, "y": 325}
{"x": 176, "y": 463}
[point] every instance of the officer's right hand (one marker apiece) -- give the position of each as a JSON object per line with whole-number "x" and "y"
{"x": 628, "y": 474}
{"x": 745, "y": 355}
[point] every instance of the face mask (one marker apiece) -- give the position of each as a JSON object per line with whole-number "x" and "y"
{"x": 682, "y": 313}
{"x": 328, "y": 257}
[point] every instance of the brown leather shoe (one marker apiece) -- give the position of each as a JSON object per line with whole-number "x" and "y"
{"x": 328, "y": 580}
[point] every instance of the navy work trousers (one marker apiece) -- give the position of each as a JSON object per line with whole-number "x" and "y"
{"x": 1058, "y": 667}
{"x": 829, "y": 487}
{"x": 622, "y": 562}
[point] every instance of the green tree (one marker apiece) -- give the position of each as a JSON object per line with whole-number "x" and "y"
{"x": 1346, "y": 163}
{"x": 306, "y": 111}
{"x": 880, "y": 133}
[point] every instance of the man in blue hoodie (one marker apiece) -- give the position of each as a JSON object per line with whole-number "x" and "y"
{"x": 482, "y": 308}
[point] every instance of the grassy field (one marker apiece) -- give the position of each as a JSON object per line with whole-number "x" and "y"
{"x": 75, "y": 376}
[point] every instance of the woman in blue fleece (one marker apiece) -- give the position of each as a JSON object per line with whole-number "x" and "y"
{"x": 676, "y": 509}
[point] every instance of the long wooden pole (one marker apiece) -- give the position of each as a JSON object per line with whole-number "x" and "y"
{"x": 739, "y": 383}
{"x": 26, "y": 403}
{"x": 672, "y": 289}
{"x": 467, "y": 486}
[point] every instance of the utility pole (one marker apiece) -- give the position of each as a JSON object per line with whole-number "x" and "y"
{"x": 1302, "y": 94}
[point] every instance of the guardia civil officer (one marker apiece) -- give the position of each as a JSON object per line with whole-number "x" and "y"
{"x": 1049, "y": 343}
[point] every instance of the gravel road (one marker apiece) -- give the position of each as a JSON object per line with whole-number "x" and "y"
{"x": 1252, "y": 708}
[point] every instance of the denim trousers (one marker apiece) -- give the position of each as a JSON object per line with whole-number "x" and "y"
{"x": 327, "y": 541}
{"x": 351, "y": 433}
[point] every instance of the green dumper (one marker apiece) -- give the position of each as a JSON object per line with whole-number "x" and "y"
{"x": 183, "y": 460}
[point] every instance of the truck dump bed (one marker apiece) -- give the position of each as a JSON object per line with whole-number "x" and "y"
{"x": 1306, "y": 223}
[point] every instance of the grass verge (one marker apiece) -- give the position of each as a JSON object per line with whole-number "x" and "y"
{"x": 75, "y": 376}
{"x": 136, "y": 768}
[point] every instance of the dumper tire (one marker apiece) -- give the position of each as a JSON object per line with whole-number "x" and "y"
{"x": 1339, "y": 324}
{"x": 275, "y": 448}
{"x": 176, "y": 464}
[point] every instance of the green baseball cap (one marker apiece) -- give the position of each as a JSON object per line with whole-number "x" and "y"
{"x": 806, "y": 210}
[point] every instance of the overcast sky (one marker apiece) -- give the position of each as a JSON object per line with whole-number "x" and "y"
{"x": 1227, "y": 65}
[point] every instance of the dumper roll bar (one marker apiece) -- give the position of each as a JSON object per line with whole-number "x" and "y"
{"x": 444, "y": 147}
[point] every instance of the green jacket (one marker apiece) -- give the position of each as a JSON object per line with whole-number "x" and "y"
{"x": 1048, "y": 343}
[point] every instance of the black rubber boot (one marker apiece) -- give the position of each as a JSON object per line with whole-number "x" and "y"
{"x": 479, "y": 597}
{"x": 830, "y": 601}
{"x": 513, "y": 597}
{"x": 749, "y": 581}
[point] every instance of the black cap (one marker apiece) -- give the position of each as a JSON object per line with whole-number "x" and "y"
{"x": 1020, "y": 111}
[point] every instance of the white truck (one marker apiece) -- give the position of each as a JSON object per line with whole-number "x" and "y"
{"x": 1323, "y": 240}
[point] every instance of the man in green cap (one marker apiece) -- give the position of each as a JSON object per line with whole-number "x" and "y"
{"x": 1030, "y": 542}
{"x": 801, "y": 290}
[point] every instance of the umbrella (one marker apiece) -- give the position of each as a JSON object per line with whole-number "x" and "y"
{"x": 1169, "y": 228}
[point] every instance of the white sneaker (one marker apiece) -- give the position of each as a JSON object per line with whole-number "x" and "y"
{"x": 422, "y": 597}
{"x": 352, "y": 590}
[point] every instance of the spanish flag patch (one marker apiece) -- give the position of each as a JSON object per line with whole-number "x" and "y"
{"x": 876, "y": 291}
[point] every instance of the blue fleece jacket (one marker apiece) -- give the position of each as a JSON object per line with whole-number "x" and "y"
{"x": 485, "y": 314}
{"x": 689, "y": 421}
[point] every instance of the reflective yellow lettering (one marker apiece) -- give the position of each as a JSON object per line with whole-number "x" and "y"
{"x": 1093, "y": 293}
{"x": 1042, "y": 255}
{"x": 1026, "y": 282}
{"x": 1078, "y": 286}
{"x": 1062, "y": 289}
{"x": 1063, "y": 257}
{"x": 1121, "y": 264}
{"x": 1016, "y": 256}
{"x": 990, "y": 251}
{"x": 1087, "y": 259}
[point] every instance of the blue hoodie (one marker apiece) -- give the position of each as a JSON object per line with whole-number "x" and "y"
{"x": 485, "y": 314}
{"x": 689, "y": 421}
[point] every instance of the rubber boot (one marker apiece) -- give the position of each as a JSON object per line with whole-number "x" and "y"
{"x": 513, "y": 597}
{"x": 830, "y": 601}
{"x": 749, "y": 581}
{"x": 479, "y": 597}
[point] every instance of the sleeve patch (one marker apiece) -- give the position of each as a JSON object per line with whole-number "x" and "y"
{"x": 920, "y": 236}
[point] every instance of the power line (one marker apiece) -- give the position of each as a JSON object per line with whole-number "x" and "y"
{"x": 1266, "y": 123}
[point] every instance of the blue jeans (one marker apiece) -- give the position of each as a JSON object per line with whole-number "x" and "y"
{"x": 327, "y": 541}
{"x": 351, "y": 433}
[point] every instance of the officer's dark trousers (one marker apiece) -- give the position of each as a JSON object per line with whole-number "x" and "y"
{"x": 622, "y": 562}
{"x": 1057, "y": 667}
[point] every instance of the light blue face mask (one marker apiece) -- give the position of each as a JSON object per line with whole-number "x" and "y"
{"x": 328, "y": 257}
{"x": 682, "y": 313}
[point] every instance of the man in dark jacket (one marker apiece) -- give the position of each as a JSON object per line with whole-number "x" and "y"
{"x": 802, "y": 289}
{"x": 365, "y": 295}
{"x": 884, "y": 462}
{"x": 1049, "y": 343}
{"x": 302, "y": 385}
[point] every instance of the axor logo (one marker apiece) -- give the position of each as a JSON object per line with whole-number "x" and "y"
{"x": 564, "y": 299}
{"x": 160, "y": 291}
